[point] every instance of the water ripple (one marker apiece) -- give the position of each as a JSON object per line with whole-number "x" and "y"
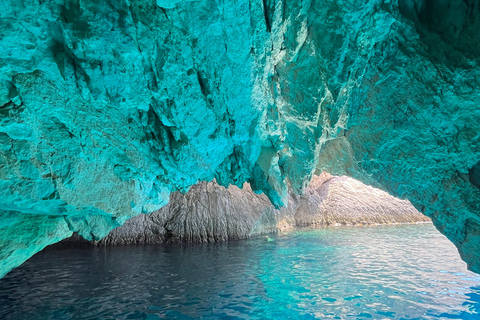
{"x": 399, "y": 272}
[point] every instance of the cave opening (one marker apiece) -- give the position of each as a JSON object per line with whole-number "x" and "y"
{"x": 186, "y": 141}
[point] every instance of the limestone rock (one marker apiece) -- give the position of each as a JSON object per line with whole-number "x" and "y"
{"x": 346, "y": 201}
{"x": 106, "y": 107}
{"x": 209, "y": 212}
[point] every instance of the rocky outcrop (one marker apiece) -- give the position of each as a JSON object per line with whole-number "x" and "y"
{"x": 209, "y": 212}
{"x": 107, "y": 107}
{"x": 331, "y": 200}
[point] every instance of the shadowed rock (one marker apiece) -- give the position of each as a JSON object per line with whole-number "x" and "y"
{"x": 210, "y": 212}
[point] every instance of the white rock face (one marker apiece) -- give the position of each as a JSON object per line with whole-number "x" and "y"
{"x": 210, "y": 212}
{"x": 331, "y": 200}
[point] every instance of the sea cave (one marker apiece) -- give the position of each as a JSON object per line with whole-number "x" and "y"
{"x": 240, "y": 159}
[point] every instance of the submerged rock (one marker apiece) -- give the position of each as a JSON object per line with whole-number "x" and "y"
{"x": 209, "y": 212}
{"x": 107, "y": 107}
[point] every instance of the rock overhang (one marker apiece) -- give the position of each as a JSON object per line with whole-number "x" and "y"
{"x": 109, "y": 107}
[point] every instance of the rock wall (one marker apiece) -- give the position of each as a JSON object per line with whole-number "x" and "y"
{"x": 209, "y": 212}
{"x": 413, "y": 105}
{"x": 108, "y": 107}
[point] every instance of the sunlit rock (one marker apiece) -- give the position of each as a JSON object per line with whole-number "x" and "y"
{"x": 331, "y": 200}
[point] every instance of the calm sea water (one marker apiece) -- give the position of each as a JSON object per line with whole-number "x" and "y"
{"x": 399, "y": 272}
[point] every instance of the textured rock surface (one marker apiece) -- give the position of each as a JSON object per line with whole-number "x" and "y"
{"x": 206, "y": 213}
{"x": 209, "y": 212}
{"x": 331, "y": 200}
{"x": 107, "y": 107}
{"x": 26, "y": 234}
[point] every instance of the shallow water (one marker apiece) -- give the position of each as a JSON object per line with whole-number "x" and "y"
{"x": 398, "y": 272}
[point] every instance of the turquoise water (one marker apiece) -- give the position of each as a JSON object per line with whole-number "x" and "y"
{"x": 398, "y": 272}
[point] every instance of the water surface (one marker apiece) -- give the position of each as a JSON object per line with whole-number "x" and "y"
{"x": 397, "y": 272}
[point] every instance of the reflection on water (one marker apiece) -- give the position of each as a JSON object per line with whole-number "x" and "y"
{"x": 399, "y": 272}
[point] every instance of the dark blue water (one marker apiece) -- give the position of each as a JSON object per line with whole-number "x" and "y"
{"x": 400, "y": 272}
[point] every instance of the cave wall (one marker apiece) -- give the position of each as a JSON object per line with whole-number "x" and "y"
{"x": 108, "y": 107}
{"x": 413, "y": 118}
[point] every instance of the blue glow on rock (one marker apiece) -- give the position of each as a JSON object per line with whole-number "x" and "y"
{"x": 106, "y": 108}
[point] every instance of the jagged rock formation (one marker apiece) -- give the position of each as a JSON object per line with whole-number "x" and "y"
{"x": 331, "y": 200}
{"x": 209, "y": 212}
{"x": 108, "y": 107}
